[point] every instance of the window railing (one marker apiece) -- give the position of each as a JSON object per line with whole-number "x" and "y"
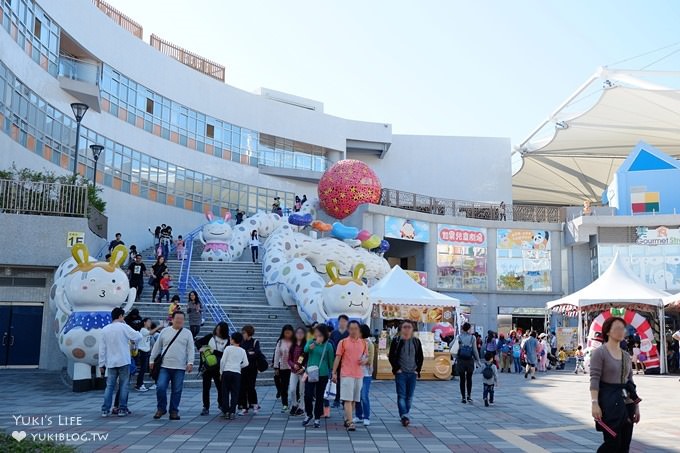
{"x": 121, "y": 19}
{"x": 469, "y": 209}
{"x": 194, "y": 61}
{"x": 81, "y": 70}
{"x": 293, "y": 160}
{"x": 42, "y": 198}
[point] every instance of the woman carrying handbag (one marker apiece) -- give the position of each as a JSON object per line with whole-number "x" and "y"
{"x": 613, "y": 394}
{"x": 320, "y": 358}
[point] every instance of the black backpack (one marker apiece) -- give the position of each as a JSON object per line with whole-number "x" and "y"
{"x": 465, "y": 351}
{"x": 487, "y": 372}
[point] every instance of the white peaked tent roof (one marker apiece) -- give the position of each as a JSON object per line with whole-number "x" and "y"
{"x": 585, "y": 149}
{"x": 616, "y": 285}
{"x": 398, "y": 288}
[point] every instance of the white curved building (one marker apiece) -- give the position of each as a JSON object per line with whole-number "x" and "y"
{"x": 179, "y": 142}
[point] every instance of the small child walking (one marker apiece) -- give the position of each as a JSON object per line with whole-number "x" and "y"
{"x": 579, "y": 360}
{"x": 174, "y": 306}
{"x": 234, "y": 358}
{"x": 165, "y": 288}
{"x": 490, "y": 378}
{"x": 179, "y": 248}
{"x": 562, "y": 358}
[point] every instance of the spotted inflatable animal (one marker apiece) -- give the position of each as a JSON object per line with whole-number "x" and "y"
{"x": 83, "y": 299}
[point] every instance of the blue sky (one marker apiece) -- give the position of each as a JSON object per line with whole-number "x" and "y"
{"x": 486, "y": 68}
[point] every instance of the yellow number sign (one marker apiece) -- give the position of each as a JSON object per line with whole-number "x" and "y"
{"x": 74, "y": 237}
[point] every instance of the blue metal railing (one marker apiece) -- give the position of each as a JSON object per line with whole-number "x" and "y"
{"x": 185, "y": 265}
{"x": 210, "y": 303}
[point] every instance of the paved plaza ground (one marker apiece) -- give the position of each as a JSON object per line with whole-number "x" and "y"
{"x": 549, "y": 414}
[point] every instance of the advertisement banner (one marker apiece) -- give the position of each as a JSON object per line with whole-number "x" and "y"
{"x": 461, "y": 235}
{"x": 657, "y": 236}
{"x": 567, "y": 337}
{"x": 407, "y": 229}
{"x": 418, "y": 276}
{"x": 418, "y": 313}
{"x": 523, "y": 239}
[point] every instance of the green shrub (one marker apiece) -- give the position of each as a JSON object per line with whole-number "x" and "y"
{"x": 28, "y": 175}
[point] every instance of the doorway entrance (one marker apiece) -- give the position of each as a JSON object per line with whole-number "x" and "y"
{"x": 21, "y": 331}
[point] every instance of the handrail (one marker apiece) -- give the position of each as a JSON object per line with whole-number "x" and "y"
{"x": 77, "y": 69}
{"x": 210, "y": 303}
{"x": 121, "y": 19}
{"x": 469, "y": 209}
{"x": 42, "y": 198}
{"x": 185, "y": 265}
{"x": 188, "y": 58}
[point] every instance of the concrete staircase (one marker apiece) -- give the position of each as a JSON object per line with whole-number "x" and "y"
{"x": 230, "y": 283}
{"x": 238, "y": 288}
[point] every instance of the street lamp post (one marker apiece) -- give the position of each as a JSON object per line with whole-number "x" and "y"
{"x": 96, "y": 152}
{"x": 79, "y": 110}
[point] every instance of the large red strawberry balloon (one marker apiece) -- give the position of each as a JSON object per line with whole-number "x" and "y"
{"x": 346, "y": 185}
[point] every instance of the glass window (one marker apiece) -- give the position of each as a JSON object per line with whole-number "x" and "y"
{"x": 149, "y": 106}
{"x": 37, "y": 28}
{"x": 523, "y": 261}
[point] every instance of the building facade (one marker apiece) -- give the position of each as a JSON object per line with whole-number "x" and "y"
{"x": 178, "y": 143}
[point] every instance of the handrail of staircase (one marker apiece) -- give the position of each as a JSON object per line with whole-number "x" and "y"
{"x": 210, "y": 303}
{"x": 185, "y": 265}
{"x": 100, "y": 253}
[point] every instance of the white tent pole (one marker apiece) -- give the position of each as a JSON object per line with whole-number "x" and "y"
{"x": 662, "y": 339}
{"x": 576, "y": 94}
{"x": 580, "y": 328}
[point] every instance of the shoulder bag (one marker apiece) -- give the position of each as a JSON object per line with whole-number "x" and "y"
{"x": 313, "y": 370}
{"x": 158, "y": 361}
{"x": 261, "y": 361}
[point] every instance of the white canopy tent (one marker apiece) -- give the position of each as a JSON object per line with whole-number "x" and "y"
{"x": 672, "y": 301}
{"x": 398, "y": 288}
{"x": 616, "y": 287}
{"x": 588, "y": 142}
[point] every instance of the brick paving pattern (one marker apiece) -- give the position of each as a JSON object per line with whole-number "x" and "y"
{"x": 550, "y": 414}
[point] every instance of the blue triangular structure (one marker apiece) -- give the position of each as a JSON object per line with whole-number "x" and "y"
{"x": 647, "y": 161}
{"x": 645, "y": 157}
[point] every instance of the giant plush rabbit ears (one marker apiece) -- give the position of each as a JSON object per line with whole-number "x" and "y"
{"x": 118, "y": 256}
{"x": 80, "y": 253}
{"x": 333, "y": 271}
{"x": 359, "y": 271}
{"x": 210, "y": 216}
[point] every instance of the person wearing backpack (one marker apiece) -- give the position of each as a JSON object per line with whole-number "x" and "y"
{"x": 490, "y": 375}
{"x": 211, "y": 348}
{"x": 517, "y": 355}
{"x": 466, "y": 357}
{"x": 506, "y": 352}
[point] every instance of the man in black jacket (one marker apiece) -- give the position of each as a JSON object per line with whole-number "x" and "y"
{"x": 406, "y": 358}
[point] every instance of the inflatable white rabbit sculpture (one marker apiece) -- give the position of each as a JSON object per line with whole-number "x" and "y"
{"x": 216, "y": 235}
{"x": 87, "y": 294}
{"x": 346, "y": 295}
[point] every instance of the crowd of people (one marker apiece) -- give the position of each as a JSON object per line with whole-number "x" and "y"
{"x": 315, "y": 368}
{"x": 319, "y": 367}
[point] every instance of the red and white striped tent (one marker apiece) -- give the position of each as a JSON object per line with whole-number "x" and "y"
{"x": 618, "y": 287}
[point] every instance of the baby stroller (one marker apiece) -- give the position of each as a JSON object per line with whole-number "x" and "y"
{"x": 552, "y": 361}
